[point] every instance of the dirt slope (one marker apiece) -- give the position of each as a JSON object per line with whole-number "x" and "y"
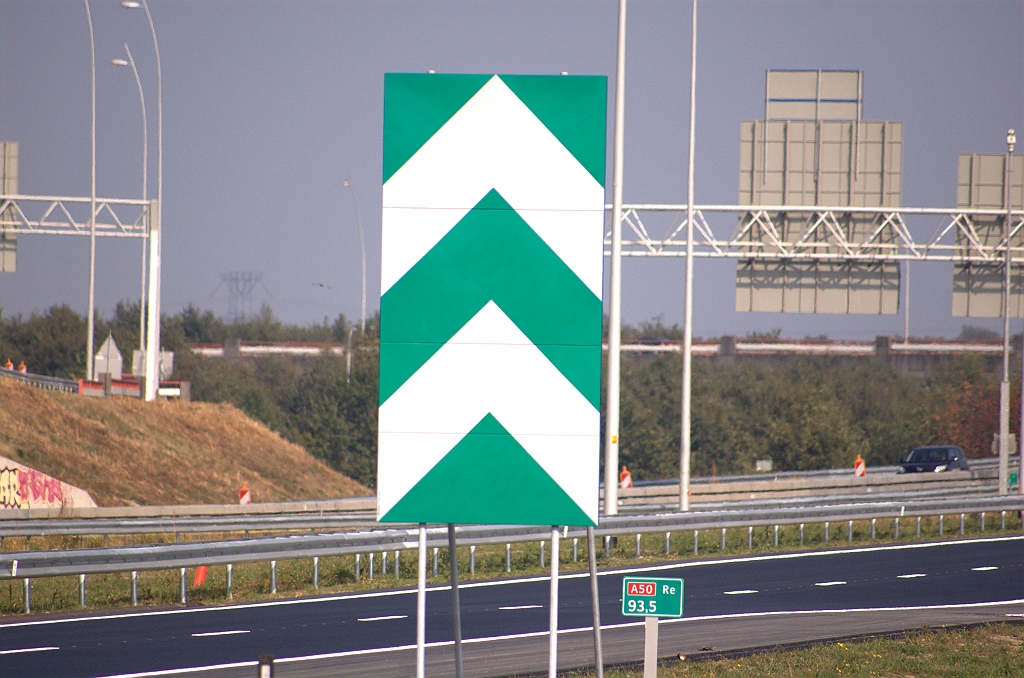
{"x": 127, "y": 452}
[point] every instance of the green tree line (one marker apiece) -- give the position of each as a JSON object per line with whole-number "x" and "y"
{"x": 805, "y": 414}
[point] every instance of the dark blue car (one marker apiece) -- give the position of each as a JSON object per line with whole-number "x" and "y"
{"x": 934, "y": 459}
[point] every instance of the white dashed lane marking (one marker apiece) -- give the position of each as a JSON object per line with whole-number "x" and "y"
{"x": 987, "y": 568}
{"x": 521, "y": 607}
{"x": 739, "y": 593}
{"x": 910, "y": 576}
{"x": 30, "y": 649}
{"x": 218, "y": 633}
{"x": 830, "y": 583}
{"x": 390, "y": 616}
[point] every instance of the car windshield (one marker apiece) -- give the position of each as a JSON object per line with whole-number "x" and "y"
{"x": 927, "y": 455}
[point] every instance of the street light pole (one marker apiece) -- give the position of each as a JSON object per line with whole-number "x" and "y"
{"x": 90, "y": 322}
{"x": 1004, "y": 385}
{"x": 362, "y": 249}
{"x": 152, "y": 370}
{"x": 611, "y": 420}
{"x": 145, "y": 182}
{"x": 684, "y": 452}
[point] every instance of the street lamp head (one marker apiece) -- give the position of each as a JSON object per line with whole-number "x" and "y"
{"x": 119, "y": 62}
{"x": 130, "y": 5}
{"x": 1011, "y": 140}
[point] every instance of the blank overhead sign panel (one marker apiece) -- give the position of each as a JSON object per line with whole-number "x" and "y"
{"x": 491, "y": 279}
{"x": 812, "y": 150}
{"x": 978, "y": 285}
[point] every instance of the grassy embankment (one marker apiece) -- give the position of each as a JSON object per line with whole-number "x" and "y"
{"x": 980, "y": 652}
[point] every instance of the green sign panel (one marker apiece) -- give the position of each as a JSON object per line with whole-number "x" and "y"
{"x": 492, "y": 259}
{"x": 1013, "y": 478}
{"x": 652, "y": 597}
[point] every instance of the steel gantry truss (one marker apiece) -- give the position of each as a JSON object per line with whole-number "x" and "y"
{"x": 114, "y": 217}
{"x": 823, "y": 234}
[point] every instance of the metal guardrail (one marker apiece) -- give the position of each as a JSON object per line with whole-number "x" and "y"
{"x": 40, "y": 381}
{"x": 30, "y": 564}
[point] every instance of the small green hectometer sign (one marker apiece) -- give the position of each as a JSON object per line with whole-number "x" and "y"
{"x": 652, "y": 597}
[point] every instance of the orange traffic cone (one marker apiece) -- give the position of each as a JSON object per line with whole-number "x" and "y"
{"x": 200, "y": 575}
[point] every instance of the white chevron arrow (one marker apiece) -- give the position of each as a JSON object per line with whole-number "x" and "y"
{"x": 489, "y": 366}
{"x": 494, "y": 141}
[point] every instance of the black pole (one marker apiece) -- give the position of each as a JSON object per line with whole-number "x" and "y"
{"x": 595, "y": 601}
{"x": 453, "y": 562}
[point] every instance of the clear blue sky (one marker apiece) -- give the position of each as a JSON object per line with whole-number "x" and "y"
{"x": 268, "y": 105}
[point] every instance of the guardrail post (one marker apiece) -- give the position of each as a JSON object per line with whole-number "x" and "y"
{"x": 801, "y": 535}
{"x": 896, "y": 528}
{"x": 135, "y": 588}
{"x": 28, "y": 595}
{"x": 873, "y": 528}
{"x": 940, "y": 524}
{"x": 1002, "y": 520}
{"x": 230, "y": 579}
{"x": 668, "y": 540}
{"x": 273, "y": 576}
{"x": 696, "y": 540}
{"x": 918, "y": 533}
{"x": 435, "y": 562}
{"x": 750, "y": 538}
{"x": 723, "y": 540}
{"x": 384, "y": 563}
{"x": 961, "y": 523}
{"x": 637, "y": 545}
{"x": 607, "y": 546}
{"x": 472, "y": 561}
{"x": 316, "y": 572}
{"x": 849, "y": 532}
{"x": 182, "y": 582}
{"x": 81, "y": 590}
{"x": 826, "y": 531}
{"x": 359, "y": 574}
{"x": 508, "y": 558}
{"x": 575, "y": 549}
{"x": 776, "y": 535}
{"x": 398, "y": 564}
{"x": 982, "y": 521}
{"x": 370, "y": 558}
{"x": 542, "y": 553}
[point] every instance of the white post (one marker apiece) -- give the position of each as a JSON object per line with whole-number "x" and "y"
{"x": 90, "y": 322}
{"x": 421, "y": 606}
{"x": 553, "y": 617}
{"x": 650, "y": 647}
{"x": 152, "y": 370}
{"x": 611, "y": 423}
{"x": 684, "y": 452}
{"x": 1004, "y": 384}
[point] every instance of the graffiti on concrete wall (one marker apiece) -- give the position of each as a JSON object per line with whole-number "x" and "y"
{"x": 24, "y": 488}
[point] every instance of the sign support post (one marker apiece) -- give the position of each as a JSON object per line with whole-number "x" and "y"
{"x": 553, "y": 617}
{"x": 453, "y": 562}
{"x": 595, "y": 602}
{"x": 650, "y": 647}
{"x": 421, "y": 605}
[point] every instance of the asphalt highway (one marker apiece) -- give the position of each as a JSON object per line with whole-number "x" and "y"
{"x": 755, "y": 599}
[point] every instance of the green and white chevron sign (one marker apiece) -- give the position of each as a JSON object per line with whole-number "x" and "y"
{"x": 491, "y": 265}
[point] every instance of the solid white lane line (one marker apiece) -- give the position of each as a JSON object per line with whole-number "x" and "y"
{"x": 385, "y": 618}
{"x": 739, "y": 593}
{"x": 911, "y": 576}
{"x": 987, "y": 568}
{"x": 507, "y": 582}
{"x": 520, "y": 607}
{"x": 218, "y": 633}
{"x": 830, "y": 583}
{"x": 30, "y": 649}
